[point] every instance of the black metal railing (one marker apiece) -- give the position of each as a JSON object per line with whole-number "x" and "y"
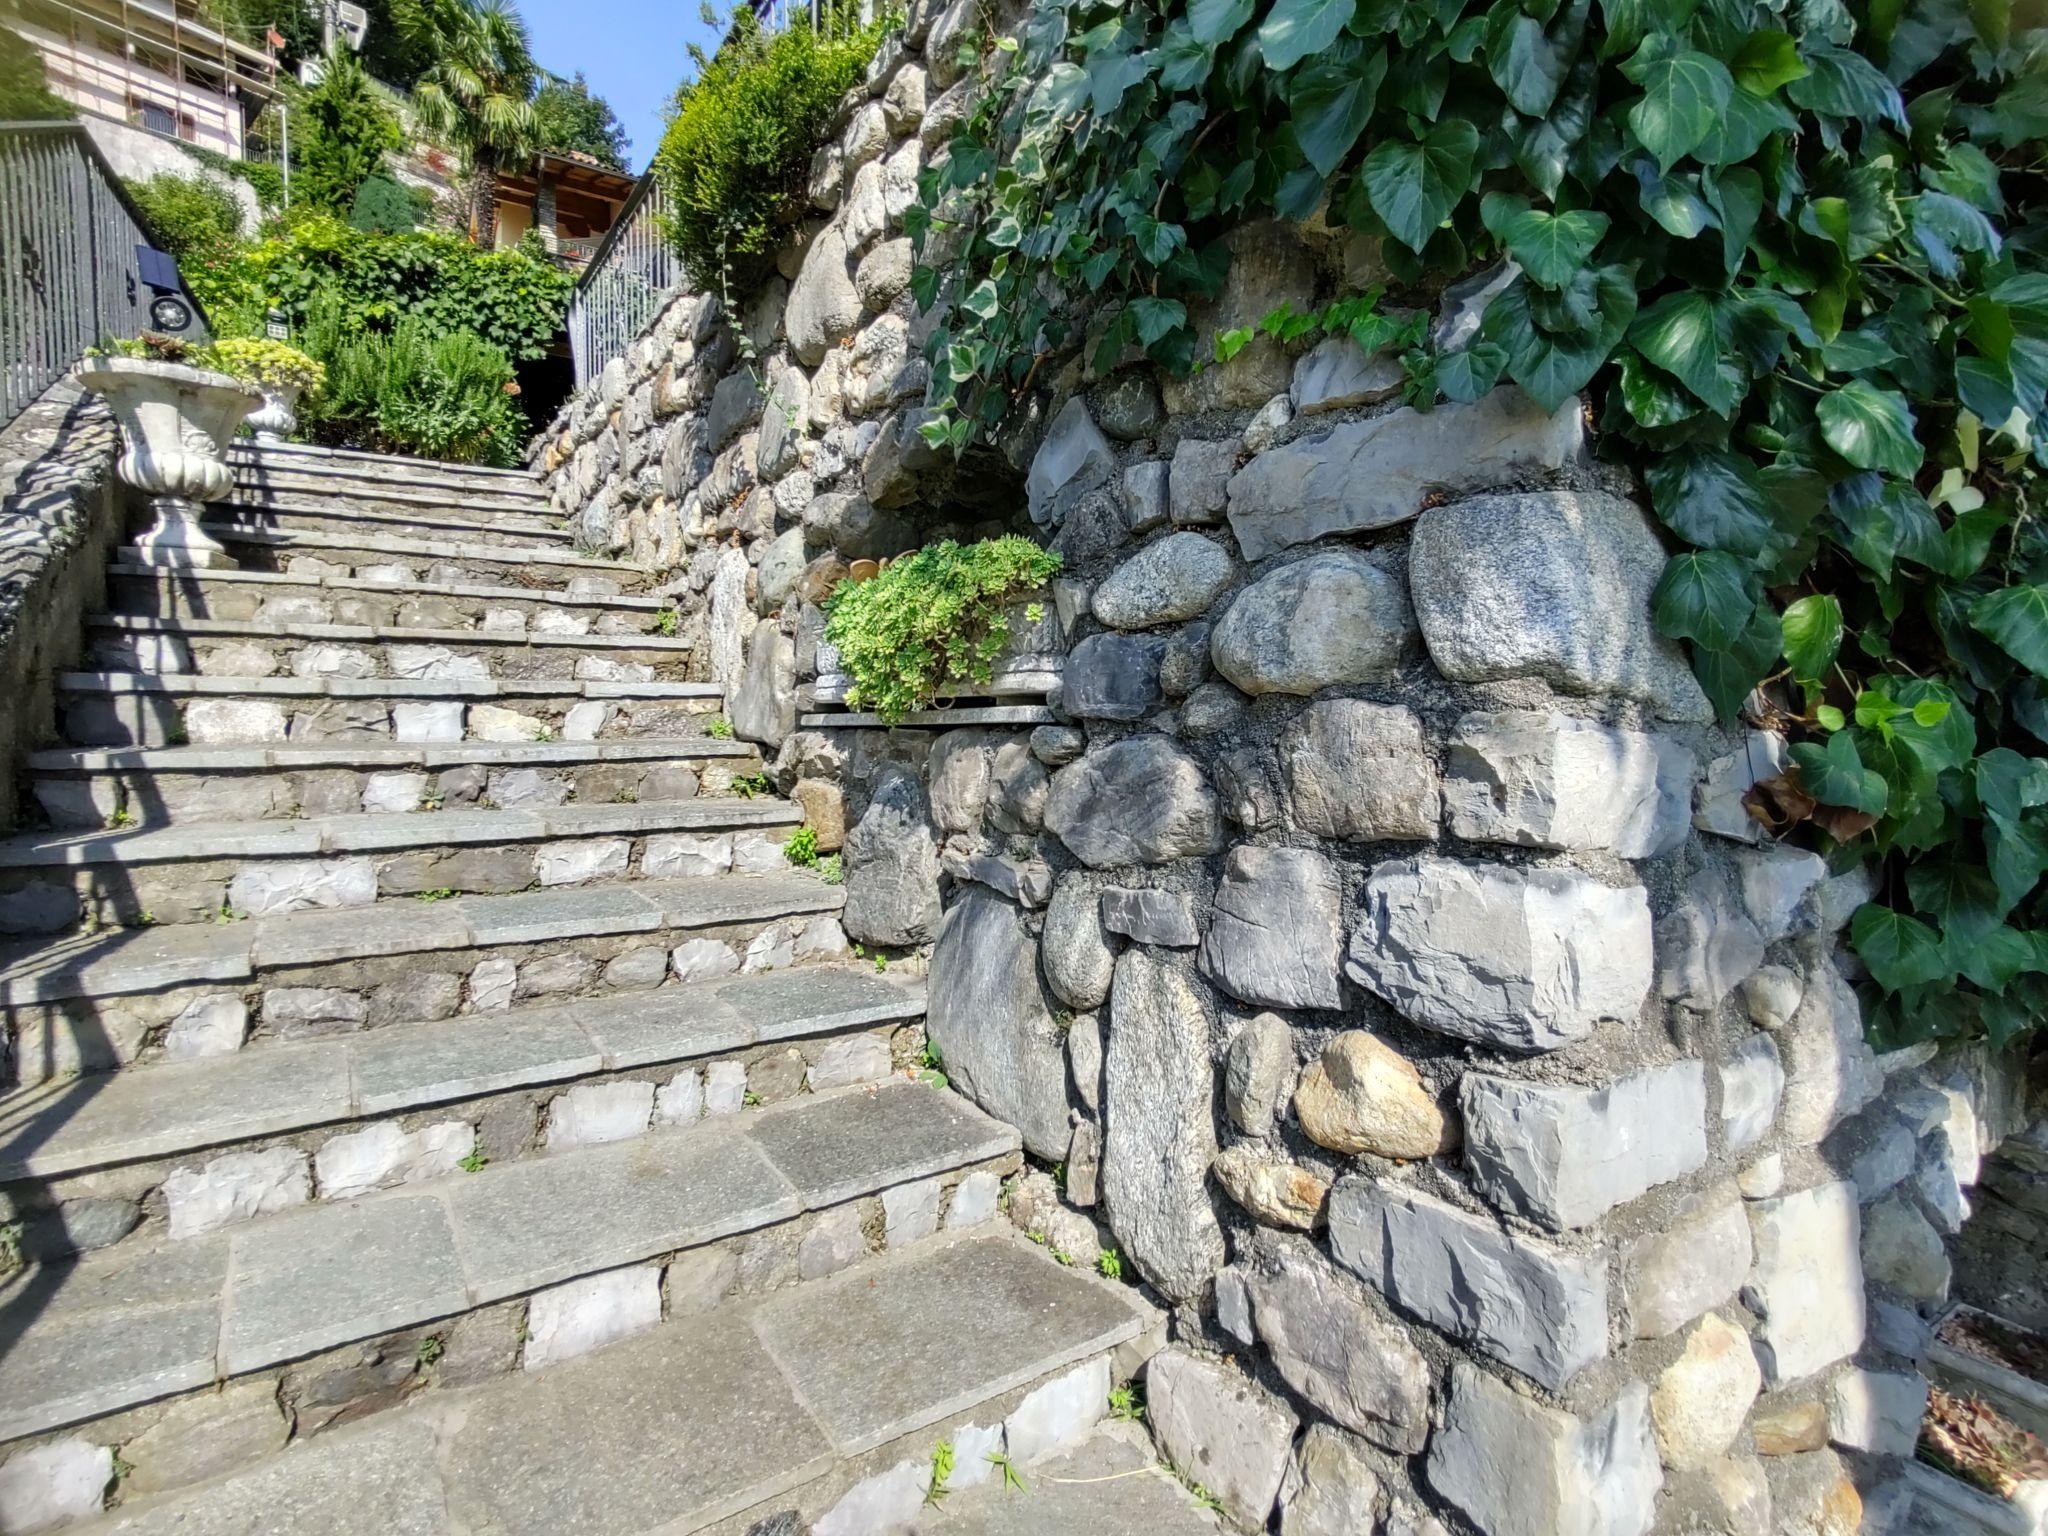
{"x": 629, "y": 278}
{"x": 69, "y": 274}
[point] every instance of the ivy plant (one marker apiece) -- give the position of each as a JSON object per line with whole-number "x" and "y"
{"x": 931, "y": 621}
{"x": 1791, "y": 252}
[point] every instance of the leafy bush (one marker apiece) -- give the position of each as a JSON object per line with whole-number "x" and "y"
{"x": 1792, "y": 253}
{"x": 737, "y": 154}
{"x": 25, "y": 94}
{"x": 447, "y": 396}
{"x": 264, "y": 361}
{"x": 196, "y": 219}
{"x": 931, "y": 620}
{"x": 263, "y": 178}
{"x": 347, "y": 130}
{"x": 440, "y": 281}
{"x": 387, "y": 206}
{"x": 569, "y": 119}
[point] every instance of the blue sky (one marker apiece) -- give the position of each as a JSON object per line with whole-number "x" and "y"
{"x": 631, "y": 52}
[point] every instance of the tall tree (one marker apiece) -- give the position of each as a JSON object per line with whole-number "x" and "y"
{"x": 347, "y": 131}
{"x": 570, "y": 118}
{"x": 477, "y": 89}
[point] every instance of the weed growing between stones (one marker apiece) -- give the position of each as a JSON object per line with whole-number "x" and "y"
{"x": 942, "y": 1469}
{"x": 718, "y": 728}
{"x": 1127, "y": 1402}
{"x": 802, "y": 848}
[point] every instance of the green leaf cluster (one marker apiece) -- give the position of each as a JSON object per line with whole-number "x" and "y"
{"x": 735, "y": 160}
{"x": 1792, "y": 255}
{"x": 346, "y": 129}
{"x": 931, "y": 621}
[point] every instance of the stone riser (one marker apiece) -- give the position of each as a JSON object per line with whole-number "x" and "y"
{"x": 320, "y": 517}
{"x": 307, "y": 505}
{"x": 98, "y": 1032}
{"x": 391, "y": 468}
{"x": 284, "y": 554}
{"x": 407, "y": 489}
{"x": 305, "y": 602}
{"x": 157, "y": 798}
{"x": 270, "y": 655}
{"x": 122, "y": 895}
{"x": 404, "y": 607}
{"x": 159, "y": 720}
{"x": 505, "y": 1126}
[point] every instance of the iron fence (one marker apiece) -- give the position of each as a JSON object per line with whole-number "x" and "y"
{"x": 629, "y": 278}
{"x": 69, "y": 273}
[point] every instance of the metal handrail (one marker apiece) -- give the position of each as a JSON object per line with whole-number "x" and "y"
{"x": 629, "y": 277}
{"x": 68, "y": 277}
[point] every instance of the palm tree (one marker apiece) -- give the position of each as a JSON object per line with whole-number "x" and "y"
{"x": 478, "y": 90}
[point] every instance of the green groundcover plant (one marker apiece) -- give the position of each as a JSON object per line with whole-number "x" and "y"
{"x": 932, "y": 621}
{"x": 1790, "y": 250}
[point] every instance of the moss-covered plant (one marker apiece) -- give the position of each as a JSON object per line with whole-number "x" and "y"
{"x": 931, "y": 622}
{"x": 1793, "y": 254}
{"x": 736, "y": 159}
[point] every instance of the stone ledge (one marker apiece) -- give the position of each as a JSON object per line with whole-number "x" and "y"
{"x": 198, "y": 581}
{"x": 383, "y": 634}
{"x": 356, "y": 460}
{"x": 232, "y": 531}
{"x": 374, "y": 687}
{"x": 375, "y": 754}
{"x": 934, "y": 719}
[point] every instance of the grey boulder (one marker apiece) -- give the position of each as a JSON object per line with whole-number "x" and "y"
{"x": 1142, "y": 800}
{"x": 1336, "y": 617}
{"x": 1275, "y": 936}
{"x": 892, "y": 865}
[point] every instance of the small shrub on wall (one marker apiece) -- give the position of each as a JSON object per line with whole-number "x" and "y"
{"x": 737, "y": 154}
{"x": 931, "y": 621}
{"x": 448, "y": 396}
{"x": 195, "y": 219}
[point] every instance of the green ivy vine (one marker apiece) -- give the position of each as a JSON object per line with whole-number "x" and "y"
{"x": 1790, "y": 250}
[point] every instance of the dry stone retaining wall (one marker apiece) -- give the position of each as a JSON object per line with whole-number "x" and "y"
{"x": 1372, "y": 932}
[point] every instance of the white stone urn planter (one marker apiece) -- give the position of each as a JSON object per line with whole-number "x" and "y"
{"x": 176, "y": 423}
{"x": 275, "y": 421}
{"x": 1029, "y": 666}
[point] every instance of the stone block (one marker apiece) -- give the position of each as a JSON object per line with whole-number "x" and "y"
{"x": 1552, "y": 781}
{"x": 1564, "y": 1155}
{"x": 1363, "y": 475}
{"x": 1517, "y": 1468}
{"x": 579, "y": 863}
{"x": 213, "y": 1025}
{"x": 1359, "y": 772}
{"x": 1699, "y": 1262}
{"x": 383, "y": 1155}
{"x": 1257, "y": 1070}
{"x": 1330, "y": 1489}
{"x": 1752, "y": 1082}
{"x": 1142, "y": 800}
{"x": 856, "y": 1059}
{"x": 1540, "y": 1309}
{"x": 1339, "y": 1355}
{"x": 1170, "y": 580}
{"x": 910, "y": 1212}
{"x": 703, "y": 959}
{"x": 1274, "y": 936}
{"x": 1806, "y": 1283}
{"x": 591, "y": 1113}
{"x": 1198, "y": 480}
{"x": 54, "y": 1483}
{"x": 1162, "y": 918}
{"x": 1877, "y": 1412}
{"x": 974, "y": 1200}
{"x": 211, "y": 722}
{"x": 1112, "y": 677}
{"x": 1703, "y": 1397}
{"x": 1058, "y": 1412}
{"x": 302, "y": 885}
{"x": 1523, "y": 960}
{"x": 1217, "y": 1428}
{"x": 883, "y": 1505}
{"x": 573, "y": 1319}
{"x": 1073, "y": 458}
{"x": 1364, "y": 1096}
{"x": 1277, "y": 1193}
{"x": 1902, "y": 1250}
{"x": 686, "y": 855}
{"x": 834, "y": 1241}
{"x": 203, "y": 1436}
{"x": 234, "y": 1187}
{"x": 892, "y": 865}
{"x": 1339, "y": 616}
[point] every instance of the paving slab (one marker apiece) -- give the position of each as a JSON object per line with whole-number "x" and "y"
{"x": 717, "y": 900}
{"x": 401, "y": 1067}
{"x": 669, "y": 815}
{"x": 887, "y": 1348}
{"x": 124, "y": 960}
{"x": 195, "y": 583}
{"x": 306, "y": 1281}
{"x": 171, "y": 1107}
{"x": 812, "y": 999}
{"x": 82, "y": 1339}
{"x": 835, "y": 1147}
{"x": 369, "y": 1479}
{"x": 401, "y": 927}
{"x": 418, "y": 829}
{"x": 668, "y": 1432}
{"x": 541, "y": 1220}
{"x": 570, "y": 913}
{"x": 663, "y": 1025}
{"x": 1111, "y": 1483}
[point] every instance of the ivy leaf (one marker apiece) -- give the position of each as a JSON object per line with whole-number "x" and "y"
{"x": 1471, "y": 372}
{"x": 1552, "y": 248}
{"x": 1552, "y": 367}
{"x": 1812, "y": 629}
{"x": 1651, "y": 398}
{"x": 1215, "y": 22}
{"x": 2010, "y": 784}
{"x": 1331, "y": 104}
{"x": 1413, "y": 187}
{"x": 1945, "y": 226}
{"x": 1527, "y": 65}
{"x": 1703, "y": 596}
{"x": 1155, "y": 317}
{"x": 1684, "y": 93}
{"x": 1900, "y": 951}
{"x": 1834, "y": 775}
{"x": 1295, "y": 29}
{"x": 1730, "y": 676}
{"x": 2017, "y": 618}
{"x": 1184, "y": 59}
{"x": 982, "y": 300}
{"x": 1717, "y": 500}
{"x": 1842, "y": 83}
{"x": 1156, "y": 239}
{"x": 1687, "y": 335}
{"x": 1871, "y": 428}
{"x": 1959, "y": 894}
{"x": 1767, "y": 60}
{"x": 2016, "y": 853}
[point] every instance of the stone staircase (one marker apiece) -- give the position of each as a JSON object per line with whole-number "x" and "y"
{"x": 409, "y": 990}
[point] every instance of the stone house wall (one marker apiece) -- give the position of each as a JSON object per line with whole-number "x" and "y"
{"x": 1371, "y": 936}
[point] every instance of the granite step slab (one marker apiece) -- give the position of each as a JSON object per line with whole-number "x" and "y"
{"x": 196, "y": 629}
{"x": 121, "y": 1327}
{"x": 702, "y": 1420}
{"x": 410, "y": 604}
{"x": 403, "y": 468}
{"x": 318, "y": 511}
{"x": 432, "y": 496}
{"x": 130, "y": 960}
{"x": 167, "y": 1108}
{"x": 391, "y": 832}
{"x": 367, "y": 549}
{"x": 379, "y": 754}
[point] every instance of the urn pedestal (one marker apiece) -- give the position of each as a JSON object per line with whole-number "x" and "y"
{"x": 279, "y": 413}
{"x": 176, "y": 423}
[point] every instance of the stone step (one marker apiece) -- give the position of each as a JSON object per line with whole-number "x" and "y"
{"x": 165, "y": 1106}
{"x": 337, "y": 464}
{"x": 260, "y": 648}
{"x": 724, "y": 1418}
{"x": 392, "y": 557}
{"x": 153, "y": 786}
{"x": 207, "y": 872}
{"x": 315, "y": 511}
{"x": 134, "y": 1324}
{"x": 117, "y": 709}
{"x": 128, "y": 977}
{"x": 277, "y": 597}
{"x": 355, "y": 482}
